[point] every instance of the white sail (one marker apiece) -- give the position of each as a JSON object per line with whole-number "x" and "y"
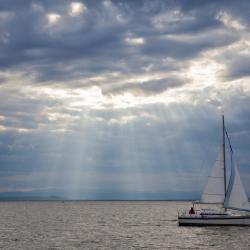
{"x": 236, "y": 197}
{"x": 214, "y": 191}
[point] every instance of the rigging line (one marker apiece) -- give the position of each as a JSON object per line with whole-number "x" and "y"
{"x": 231, "y": 149}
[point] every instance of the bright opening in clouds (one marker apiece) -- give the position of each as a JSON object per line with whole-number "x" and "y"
{"x": 53, "y": 18}
{"x": 121, "y": 99}
{"x": 76, "y": 8}
{"x": 135, "y": 41}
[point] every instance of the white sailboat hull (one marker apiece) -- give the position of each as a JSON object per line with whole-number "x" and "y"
{"x": 208, "y": 220}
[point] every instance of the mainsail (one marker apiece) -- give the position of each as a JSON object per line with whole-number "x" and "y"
{"x": 214, "y": 191}
{"x": 236, "y": 197}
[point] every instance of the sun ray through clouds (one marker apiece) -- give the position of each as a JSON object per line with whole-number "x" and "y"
{"x": 119, "y": 99}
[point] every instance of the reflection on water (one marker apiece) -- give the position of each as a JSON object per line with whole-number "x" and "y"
{"x": 109, "y": 225}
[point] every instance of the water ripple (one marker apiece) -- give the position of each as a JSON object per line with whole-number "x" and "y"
{"x": 108, "y": 225}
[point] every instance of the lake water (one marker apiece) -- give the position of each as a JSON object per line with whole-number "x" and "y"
{"x": 109, "y": 225}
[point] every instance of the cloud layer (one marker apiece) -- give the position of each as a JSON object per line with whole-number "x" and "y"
{"x": 120, "y": 97}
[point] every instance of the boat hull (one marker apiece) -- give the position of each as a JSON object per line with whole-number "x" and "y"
{"x": 214, "y": 221}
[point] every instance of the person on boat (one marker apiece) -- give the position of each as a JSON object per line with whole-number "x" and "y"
{"x": 191, "y": 211}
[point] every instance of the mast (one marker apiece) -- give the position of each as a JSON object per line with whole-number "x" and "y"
{"x": 224, "y": 153}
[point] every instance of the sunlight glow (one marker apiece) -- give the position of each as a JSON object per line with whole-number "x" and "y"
{"x": 55, "y": 92}
{"x": 204, "y": 72}
{"x": 135, "y": 41}
{"x": 91, "y": 97}
{"x": 53, "y": 18}
{"x": 2, "y": 128}
{"x": 242, "y": 47}
{"x": 77, "y": 8}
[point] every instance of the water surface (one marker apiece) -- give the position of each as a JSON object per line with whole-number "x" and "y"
{"x": 109, "y": 225}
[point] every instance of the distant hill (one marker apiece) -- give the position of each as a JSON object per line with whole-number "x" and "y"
{"x": 49, "y": 196}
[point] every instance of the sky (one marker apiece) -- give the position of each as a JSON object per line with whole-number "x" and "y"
{"x": 121, "y": 99}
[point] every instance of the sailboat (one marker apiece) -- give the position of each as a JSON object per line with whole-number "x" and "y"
{"x": 231, "y": 198}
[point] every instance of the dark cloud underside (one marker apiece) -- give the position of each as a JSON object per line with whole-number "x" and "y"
{"x": 120, "y": 96}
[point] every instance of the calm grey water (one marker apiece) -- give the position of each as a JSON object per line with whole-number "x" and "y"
{"x": 109, "y": 225}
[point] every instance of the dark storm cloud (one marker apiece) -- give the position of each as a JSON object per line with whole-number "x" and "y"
{"x": 95, "y": 41}
{"x": 40, "y": 43}
{"x": 112, "y": 45}
{"x": 238, "y": 67}
{"x": 146, "y": 87}
{"x": 188, "y": 46}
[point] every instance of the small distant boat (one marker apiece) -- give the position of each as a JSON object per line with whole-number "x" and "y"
{"x": 232, "y": 197}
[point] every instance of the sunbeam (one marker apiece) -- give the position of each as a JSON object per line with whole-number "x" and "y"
{"x": 120, "y": 100}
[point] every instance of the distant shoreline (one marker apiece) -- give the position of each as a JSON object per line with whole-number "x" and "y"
{"x": 80, "y": 200}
